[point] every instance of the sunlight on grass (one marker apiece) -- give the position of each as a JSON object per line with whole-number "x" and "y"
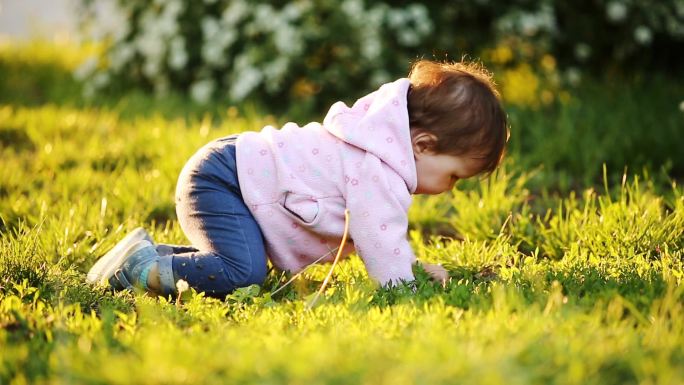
{"x": 61, "y": 53}
{"x": 593, "y": 276}
{"x": 582, "y": 287}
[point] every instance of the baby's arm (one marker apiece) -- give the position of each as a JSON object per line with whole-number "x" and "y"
{"x": 436, "y": 272}
{"x": 378, "y": 201}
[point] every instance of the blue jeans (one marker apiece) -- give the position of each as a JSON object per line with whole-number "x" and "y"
{"x": 227, "y": 249}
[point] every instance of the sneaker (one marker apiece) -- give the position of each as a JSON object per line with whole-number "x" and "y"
{"x": 105, "y": 267}
{"x": 133, "y": 267}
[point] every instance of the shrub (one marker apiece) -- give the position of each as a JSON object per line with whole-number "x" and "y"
{"x": 263, "y": 49}
{"x": 284, "y": 53}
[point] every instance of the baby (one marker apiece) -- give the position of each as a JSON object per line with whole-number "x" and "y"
{"x": 281, "y": 194}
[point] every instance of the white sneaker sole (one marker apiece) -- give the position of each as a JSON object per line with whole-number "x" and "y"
{"x": 107, "y": 265}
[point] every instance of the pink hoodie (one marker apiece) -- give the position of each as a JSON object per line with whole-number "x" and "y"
{"x": 297, "y": 182}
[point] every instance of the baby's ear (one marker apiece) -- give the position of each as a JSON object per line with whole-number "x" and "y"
{"x": 423, "y": 143}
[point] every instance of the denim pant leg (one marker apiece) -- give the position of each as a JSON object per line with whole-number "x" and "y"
{"x": 217, "y": 222}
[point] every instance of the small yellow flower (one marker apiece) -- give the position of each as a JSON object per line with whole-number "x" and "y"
{"x": 520, "y": 86}
{"x": 502, "y": 54}
{"x": 548, "y": 63}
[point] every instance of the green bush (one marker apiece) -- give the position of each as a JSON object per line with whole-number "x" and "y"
{"x": 267, "y": 50}
{"x": 308, "y": 53}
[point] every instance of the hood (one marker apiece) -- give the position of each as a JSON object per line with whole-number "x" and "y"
{"x": 378, "y": 123}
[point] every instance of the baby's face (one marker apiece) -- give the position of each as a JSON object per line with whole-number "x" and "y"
{"x": 437, "y": 173}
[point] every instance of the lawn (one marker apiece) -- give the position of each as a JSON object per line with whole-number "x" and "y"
{"x": 563, "y": 270}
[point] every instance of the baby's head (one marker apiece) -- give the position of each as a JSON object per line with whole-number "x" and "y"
{"x": 458, "y": 126}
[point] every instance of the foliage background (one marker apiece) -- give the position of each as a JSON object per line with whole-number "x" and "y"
{"x": 295, "y": 58}
{"x": 296, "y": 51}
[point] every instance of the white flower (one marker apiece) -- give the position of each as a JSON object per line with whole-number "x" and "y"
{"x": 166, "y": 25}
{"x": 100, "y": 80}
{"x": 174, "y": 7}
{"x": 218, "y": 36}
{"x": 178, "y": 57}
{"x": 213, "y": 54}
{"x": 395, "y": 18}
{"x": 210, "y": 27}
{"x": 547, "y": 18}
{"x": 643, "y": 35}
{"x": 411, "y": 25}
{"x": 424, "y": 27}
{"x": 582, "y": 51}
{"x": 616, "y": 11}
{"x": 244, "y": 82}
{"x": 292, "y": 11}
{"x": 120, "y": 28}
{"x": 573, "y": 75}
{"x": 528, "y": 24}
{"x": 182, "y": 286}
{"x": 421, "y": 19}
{"x": 371, "y": 49}
{"x": 86, "y": 69}
{"x": 288, "y": 41}
{"x": 274, "y": 71}
{"x": 353, "y": 8}
{"x": 236, "y": 11}
{"x": 151, "y": 68}
{"x": 370, "y": 25}
{"x": 149, "y": 46}
{"x": 681, "y": 106}
{"x": 373, "y": 18}
{"x": 408, "y": 37}
{"x": 505, "y": 24}
{"x": 418, "y": 11}
{"x": 120, "y": 55}
{"x": 543, "y": 20}
{"x": 201, "y": 90}
{"x": 266, "y": 19}
{"x": 226, "y": 38}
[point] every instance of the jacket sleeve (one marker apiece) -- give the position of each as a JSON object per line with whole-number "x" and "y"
{"x": 378, "y": 201}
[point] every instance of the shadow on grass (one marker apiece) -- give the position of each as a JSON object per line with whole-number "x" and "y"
{"x": 471, "y": 287}
{"x": 584, "y": 286}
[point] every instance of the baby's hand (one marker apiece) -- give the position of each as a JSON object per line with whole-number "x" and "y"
{"x": 437, "y": 272}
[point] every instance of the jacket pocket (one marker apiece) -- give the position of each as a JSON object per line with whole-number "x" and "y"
{"x": 303, "y": 208}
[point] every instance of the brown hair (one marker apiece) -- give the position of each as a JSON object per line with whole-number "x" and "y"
{"x": 459, "y": 104}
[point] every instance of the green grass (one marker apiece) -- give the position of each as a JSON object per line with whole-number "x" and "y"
{"x": 548, "y": 285}
{"x": 624, "y": 123}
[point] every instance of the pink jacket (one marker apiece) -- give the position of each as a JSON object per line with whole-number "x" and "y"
{"x": 297, "y": 182}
